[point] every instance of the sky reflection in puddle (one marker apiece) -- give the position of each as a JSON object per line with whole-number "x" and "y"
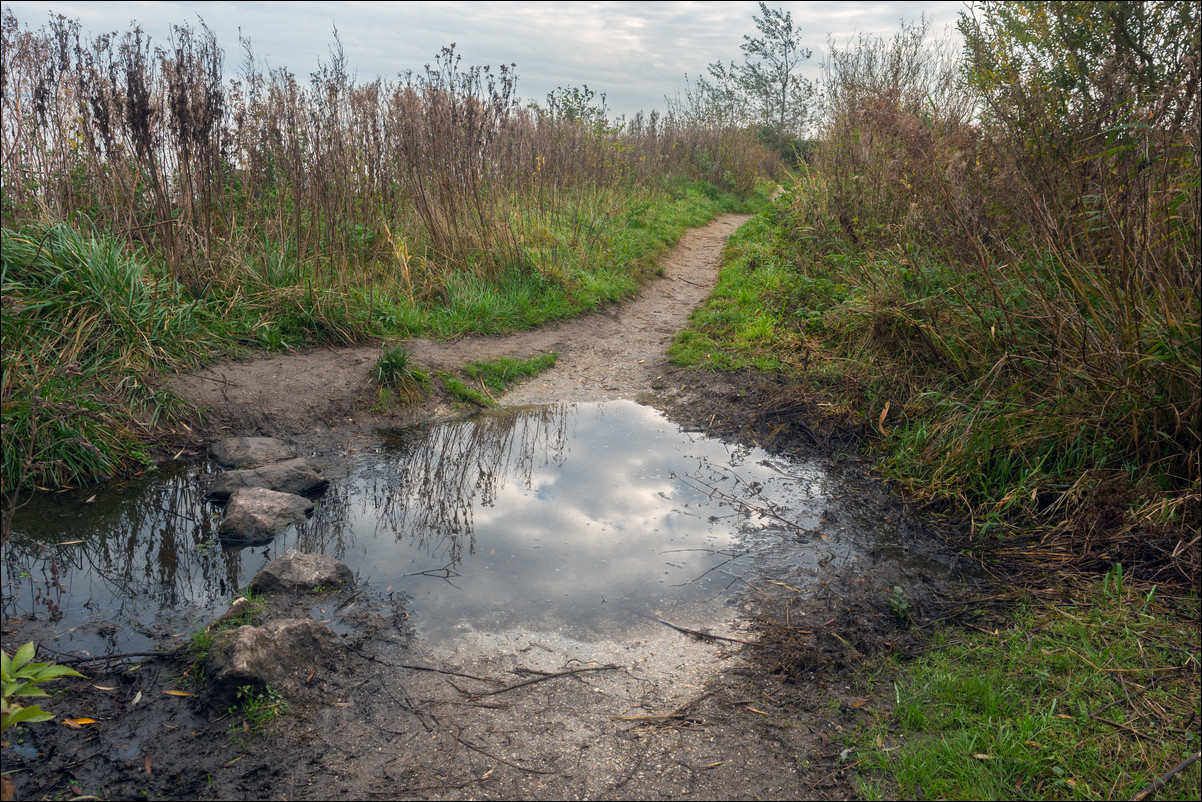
{"x": 553, "y": 518}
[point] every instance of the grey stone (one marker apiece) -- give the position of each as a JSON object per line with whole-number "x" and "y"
{"x": 290, "y": 476}
{"x": 256, "y": 513}
{"x": 283, "y": 654}
{"x": 293, "y": 571}
{"x": 249, "y": 452}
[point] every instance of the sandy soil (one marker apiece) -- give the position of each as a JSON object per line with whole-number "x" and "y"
{"x": 662, "y": 716}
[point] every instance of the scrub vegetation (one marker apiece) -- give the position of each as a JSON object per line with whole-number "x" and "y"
{"x": 989, "y": 272}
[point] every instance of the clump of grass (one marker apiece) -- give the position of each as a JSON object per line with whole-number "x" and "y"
{"x": 86, "y": 328}
{"x": 464, "y": 393}
{"x": 1093, "y": 698}
{"x": 394, "y": 371}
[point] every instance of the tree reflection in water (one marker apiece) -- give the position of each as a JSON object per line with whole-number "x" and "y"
{"x": 431, "y": 477}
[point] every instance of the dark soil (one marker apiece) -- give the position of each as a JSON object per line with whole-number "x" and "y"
{"x": 759, "y": 712}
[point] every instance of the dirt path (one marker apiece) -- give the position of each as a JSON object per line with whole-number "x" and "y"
{"x": 617, "y": 353}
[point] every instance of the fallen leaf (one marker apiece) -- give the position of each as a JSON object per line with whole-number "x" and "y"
{"x": 137, "y": 698}
{"x": 76, "y": 723}
{"x": 753, "y": 710}
{"x": 1063, "y": 715}
{"x": 859, "y": 703}
{"x": 979, "y": 756}
{"x": 148, "y": 764}
{"x": 174, "y": 692}
{"x": 93, "y": 498}
{"x": 488, "y": 773}
{"x": 105, "y": 687}
{"x": 880, "y": 422}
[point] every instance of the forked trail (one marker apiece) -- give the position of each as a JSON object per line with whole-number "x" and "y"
{"x": 615, "y": 353}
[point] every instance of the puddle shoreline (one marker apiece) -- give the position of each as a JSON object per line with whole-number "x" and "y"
{"x": 570, "y": 520}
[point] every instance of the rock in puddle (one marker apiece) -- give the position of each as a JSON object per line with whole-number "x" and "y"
{"x": 294, "y": 476}
{"x": 294, "y": 571}
{"x": 255, "y": 514}
{"x": 250, "y": 452}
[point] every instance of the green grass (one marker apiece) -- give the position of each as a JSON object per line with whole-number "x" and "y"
{"x": 464, "y": 393}
{"x": 253, "y": 711}
{"x": 395, "y": 372}
{"x": 491, "y": 378}
{"x": 1051, "y": 706}
{"x": 759, "y": 314}
{"x": 498, "y": 374}
{"x": 86, "y": 329}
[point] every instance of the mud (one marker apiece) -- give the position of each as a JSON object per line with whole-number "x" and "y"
{"x": 751, "y": 710}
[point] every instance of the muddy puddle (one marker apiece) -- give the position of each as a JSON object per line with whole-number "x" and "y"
{"x": 571, "y": 521}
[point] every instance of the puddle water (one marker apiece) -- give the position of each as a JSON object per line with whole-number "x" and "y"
{"x": 569, "y": 520}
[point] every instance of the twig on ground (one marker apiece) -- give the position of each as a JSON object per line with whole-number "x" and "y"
{"x": 695, "y": 633}
{"x": 541, "y": 677}
{"x": 1173, "y": 772}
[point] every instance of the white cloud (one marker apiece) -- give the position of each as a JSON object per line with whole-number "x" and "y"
{"x": 634, "y": 52}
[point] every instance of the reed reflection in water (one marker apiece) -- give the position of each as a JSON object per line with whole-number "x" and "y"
{"x": 546, "y": 518}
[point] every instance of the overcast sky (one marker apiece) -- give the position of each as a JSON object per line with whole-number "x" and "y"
{"x": 634, "y": 52}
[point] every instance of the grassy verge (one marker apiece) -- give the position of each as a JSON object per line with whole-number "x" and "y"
{"x": 86, "y": 327}
{"x": 1089, "y": 698}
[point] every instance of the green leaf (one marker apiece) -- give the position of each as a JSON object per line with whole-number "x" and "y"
{"x": 23, "y": 656}
{"x": 32, "y": 713}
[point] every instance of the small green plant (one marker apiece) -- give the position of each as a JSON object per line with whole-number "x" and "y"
{"x": 200, "y": 642}
{"x": 900, "y": 606}
{"x": 20, "y": 679}
{"x": 273, "y": 339}
{"x": 257, "y": 708}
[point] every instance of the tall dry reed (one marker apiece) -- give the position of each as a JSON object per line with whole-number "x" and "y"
{"x": 408, "y": 177}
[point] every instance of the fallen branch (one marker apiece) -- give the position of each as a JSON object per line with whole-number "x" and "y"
{"x": 488, "y": 754}
{"x": 77, "y": 660}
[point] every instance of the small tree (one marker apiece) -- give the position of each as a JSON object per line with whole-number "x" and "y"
{"x": 770, "y": 75}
